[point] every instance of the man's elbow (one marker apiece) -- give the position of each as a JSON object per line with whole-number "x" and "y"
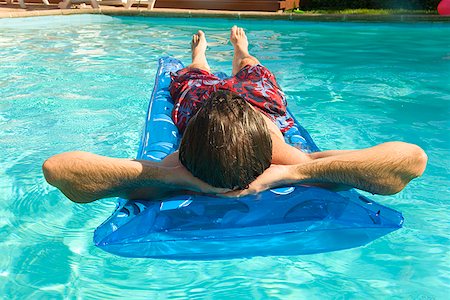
{"x": 414, "y": 164}
{"x": 422, "y": 161}
{"x": 408, "y": 162}
{"x": 58, "y": 168}
{"x": 50, "y": 170}
{"x": 60, "y": 171}
{"x": 417, "y": 159}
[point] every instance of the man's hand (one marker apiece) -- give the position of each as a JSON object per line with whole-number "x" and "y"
{"x": 183, "y": 179}
{"x": 274, "y": 176}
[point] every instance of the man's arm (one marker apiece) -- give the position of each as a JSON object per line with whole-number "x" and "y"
{"x": 384, "y": 169}
{"x": 85, "y": 177}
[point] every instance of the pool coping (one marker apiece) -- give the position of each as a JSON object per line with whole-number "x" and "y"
{"x": 186, "y": 13}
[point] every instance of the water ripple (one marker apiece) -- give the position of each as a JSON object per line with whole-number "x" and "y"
{"x": 86, "y": 87}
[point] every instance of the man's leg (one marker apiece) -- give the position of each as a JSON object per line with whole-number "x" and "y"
{"x": 199, "y": 45}
{"x": 241, "y": 56}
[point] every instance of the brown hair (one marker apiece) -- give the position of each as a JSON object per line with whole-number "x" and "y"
{"x": 226, "y": 143}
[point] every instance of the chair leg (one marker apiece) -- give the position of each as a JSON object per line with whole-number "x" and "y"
{"x": 65, "y": 4}
{"x": 22, "y": 4}
{"x": 9, "y": 2}
{"x": 94, "y": 4}
{"x": 129, "y": 4}
{"x": 151, "y": 4}
{"x": 46, "y": 2}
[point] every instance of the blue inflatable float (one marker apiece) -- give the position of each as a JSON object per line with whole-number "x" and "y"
{"x": 283, "y": 221}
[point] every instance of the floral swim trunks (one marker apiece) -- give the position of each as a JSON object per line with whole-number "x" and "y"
{"x": 256, "y": 84}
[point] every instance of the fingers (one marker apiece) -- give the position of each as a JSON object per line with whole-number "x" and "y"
{"x": 238, "y": 193}
{"x": 220, "y": 191}
{"x": 232, "y": 194}
{"x": 205, "y": 188}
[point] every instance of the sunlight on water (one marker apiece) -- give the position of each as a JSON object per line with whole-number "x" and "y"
{"x": 83, "y": 82}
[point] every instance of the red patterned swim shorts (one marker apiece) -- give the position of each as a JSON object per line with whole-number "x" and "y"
{"x": 256, "y": 84}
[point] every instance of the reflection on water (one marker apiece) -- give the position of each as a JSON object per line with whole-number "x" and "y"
{"x": 83, "y": 82}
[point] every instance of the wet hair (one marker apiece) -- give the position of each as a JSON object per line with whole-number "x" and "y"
{"x": 226, "y": 143}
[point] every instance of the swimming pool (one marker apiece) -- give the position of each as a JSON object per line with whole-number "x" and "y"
{"x": 83, "y": 82}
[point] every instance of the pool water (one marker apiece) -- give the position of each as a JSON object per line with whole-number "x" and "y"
{"x": 83, "y": 83}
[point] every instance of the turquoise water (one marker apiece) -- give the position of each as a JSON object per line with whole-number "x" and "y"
{"x": 83, "y": 82}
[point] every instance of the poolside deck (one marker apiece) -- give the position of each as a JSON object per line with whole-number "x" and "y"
{"x": 39, "y": 9}
{"x": 231, "y": 5}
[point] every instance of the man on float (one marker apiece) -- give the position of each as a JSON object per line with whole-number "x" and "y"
{"x": 232, "y": 145}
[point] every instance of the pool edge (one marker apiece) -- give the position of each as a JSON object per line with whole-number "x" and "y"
{"x": 186, "y": 13}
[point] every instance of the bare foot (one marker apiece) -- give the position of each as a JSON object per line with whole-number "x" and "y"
{"x": 198, "y": 46}
{"x": 241, "y": 56}
{"x": 239, "y": 41}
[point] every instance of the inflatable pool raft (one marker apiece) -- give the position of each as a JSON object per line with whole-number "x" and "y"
{"x": 283, "y": 221}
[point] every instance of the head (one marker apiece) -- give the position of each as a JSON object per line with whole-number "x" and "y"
{"x": 226, "y": 143}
